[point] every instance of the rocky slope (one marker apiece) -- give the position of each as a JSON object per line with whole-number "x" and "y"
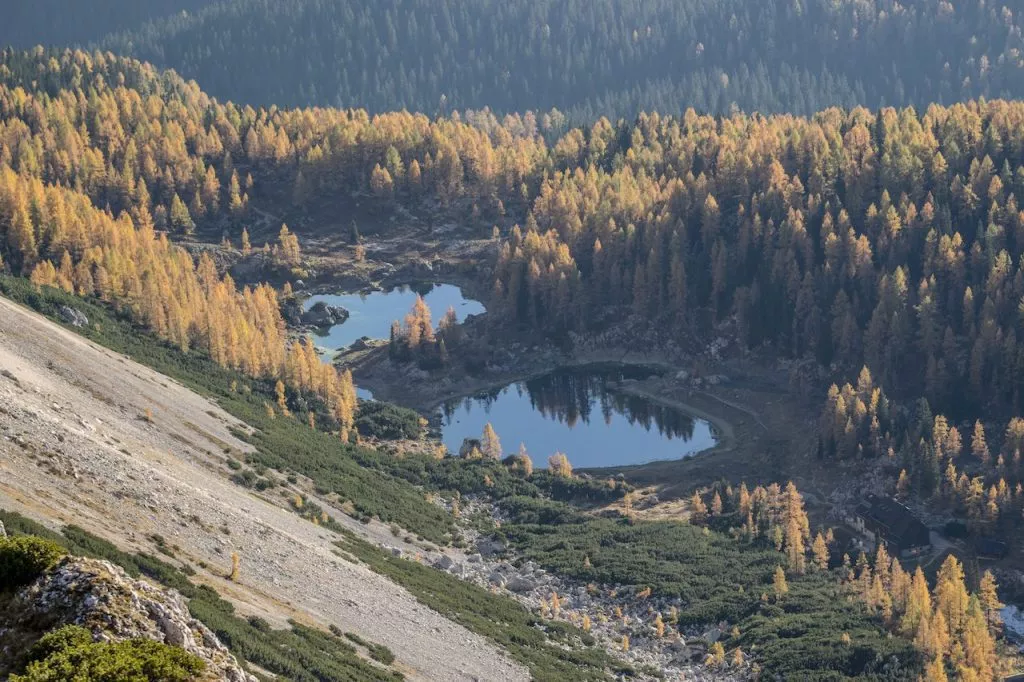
{"x": 101, "y": 597}
{"x": 78, "y": 446}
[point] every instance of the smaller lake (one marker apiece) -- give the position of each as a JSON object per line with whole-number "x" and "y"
{"x": 580, "y": 413}
{"x": 371, "y": 313}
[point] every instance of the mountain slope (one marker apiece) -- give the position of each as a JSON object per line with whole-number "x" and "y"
{"x": 79, "y": 448}
{"x": 61, "y": 23}
{"x": 590, "y": 58}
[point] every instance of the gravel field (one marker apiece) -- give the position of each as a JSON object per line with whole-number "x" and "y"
{"x": 76, "y": 447}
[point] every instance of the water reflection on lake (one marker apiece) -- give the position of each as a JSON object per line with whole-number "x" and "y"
{"x": 578, "y": 412}
{"x": 371, "y": 313}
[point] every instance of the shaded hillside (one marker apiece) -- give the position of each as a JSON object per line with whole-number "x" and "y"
{"x": 27, "y": 23}
{"x": 590, "y": 58}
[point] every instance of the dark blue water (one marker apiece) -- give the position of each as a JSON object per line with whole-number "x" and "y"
{"x": 371, "y": 314}
{"x": 580, "y": 413}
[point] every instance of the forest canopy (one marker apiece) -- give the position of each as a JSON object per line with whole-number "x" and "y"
{"x": 587, "y": 58}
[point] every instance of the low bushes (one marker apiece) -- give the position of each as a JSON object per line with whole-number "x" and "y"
{"x": 386, "y": 421}
{"x": 25, "y": 558}
{"x": 70, "y": 653}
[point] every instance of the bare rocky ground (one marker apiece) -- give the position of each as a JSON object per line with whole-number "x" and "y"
{"x": 76, "y": 446}
{"x": 612, "y": 611}
{"x": 100, "y": 597}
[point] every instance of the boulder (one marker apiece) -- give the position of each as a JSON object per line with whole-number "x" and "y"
{"x": 521, "y": 584}
{"x": 467, "y": 446}
{"x": 291, "y": 311}
{"x": 496, "y": 578}
{"x": 678, "y": 644}
{"x": 76, "y": 318}
{"x": 444, "y": 562}
{"x": 362, "y": 343}
{"x": 321, "y": 314}
{"x": 712, "y": 635}
{"x": 488, "y": 547}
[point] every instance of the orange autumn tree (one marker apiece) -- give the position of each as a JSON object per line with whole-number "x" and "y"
{"x": 126, "y": 262}
{"x": 947, "y": 624}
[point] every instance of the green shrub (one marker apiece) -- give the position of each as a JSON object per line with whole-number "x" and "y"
{"x": 381, "y": 654}
{"x": 246, "y": 478}
{"x": 25, "y": 558}
{"x": 62, "y": 639}
{"x": 70, "y": 654}
{"x": 387, "y": 421}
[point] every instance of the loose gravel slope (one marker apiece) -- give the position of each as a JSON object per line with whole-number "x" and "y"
{"x": 76, "y": 446}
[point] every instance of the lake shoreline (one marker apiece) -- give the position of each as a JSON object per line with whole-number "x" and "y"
{"x": 428, "y": 393}
{"x": 585, "y": 412}
{"x": 390, "y": 383}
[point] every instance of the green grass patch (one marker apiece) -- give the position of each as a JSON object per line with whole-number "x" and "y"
{"x": 377, "y": 419}
{"x": 70, "y": 649}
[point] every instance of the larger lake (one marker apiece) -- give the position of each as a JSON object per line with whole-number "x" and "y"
{"x": 583, "y": 413}
{"x": 371, "y": 313}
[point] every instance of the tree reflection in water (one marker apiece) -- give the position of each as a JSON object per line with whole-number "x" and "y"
{"x": 579, "y": 399}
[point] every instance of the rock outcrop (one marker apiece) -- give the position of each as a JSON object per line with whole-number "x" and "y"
{"x": 76, "y": 318}
{"x": 99, "y": 596}
{"x": 321, "y": 314}
{"x": 468, "y": 445}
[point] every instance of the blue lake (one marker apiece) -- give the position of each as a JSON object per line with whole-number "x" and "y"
{"x": 578, "y": 412}
{"x": 371, "y": 313}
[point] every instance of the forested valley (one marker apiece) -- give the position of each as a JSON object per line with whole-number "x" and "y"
{"x": 830, "y": 186}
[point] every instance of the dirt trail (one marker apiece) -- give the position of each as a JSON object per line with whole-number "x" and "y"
{"x": 76, "y": 447}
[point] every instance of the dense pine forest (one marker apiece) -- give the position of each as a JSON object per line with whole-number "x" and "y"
{"x": 888, "y": 239}
{"x": 587, "y": 59}
{"x": 590, "y": 59}
{"x": 28, "y": 23}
